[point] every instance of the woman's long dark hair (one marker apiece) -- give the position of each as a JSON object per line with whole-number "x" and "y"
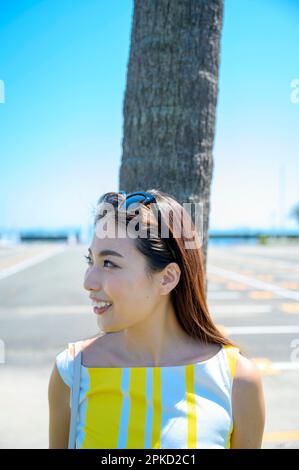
{"x": 188, "y": 297}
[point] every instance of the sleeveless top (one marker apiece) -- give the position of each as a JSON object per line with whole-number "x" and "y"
{"x": 167, "y": 407}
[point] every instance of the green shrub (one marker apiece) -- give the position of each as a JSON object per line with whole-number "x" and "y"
{"x": 263, "y": 239}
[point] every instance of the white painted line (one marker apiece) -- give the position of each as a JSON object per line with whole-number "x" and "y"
{"x": 239, "y": 309}
{"x": 44, "y": 310}
{"x": 261, "y": 330}
{"x": 212, "y": 286}
{"x": 257, "y": 259}
{"x": 223, "y": 295}
{"x": 30, "y": 262}
{"x": 285, "y": 365}
{"x": 280, "y": 291}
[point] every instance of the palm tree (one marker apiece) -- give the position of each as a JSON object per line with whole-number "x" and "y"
{"x": 170, "y": 100}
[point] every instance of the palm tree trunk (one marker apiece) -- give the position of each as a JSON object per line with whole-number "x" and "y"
{"x": 170, "y": 100}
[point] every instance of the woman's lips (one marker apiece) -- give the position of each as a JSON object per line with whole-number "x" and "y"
{"x": 100, "y": 310}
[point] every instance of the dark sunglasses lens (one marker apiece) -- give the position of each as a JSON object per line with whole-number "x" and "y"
{"x": 137, "y": 199}
{"x": 109, "y": 198}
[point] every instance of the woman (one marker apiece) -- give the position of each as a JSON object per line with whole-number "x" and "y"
{"x": 159, "y": 374}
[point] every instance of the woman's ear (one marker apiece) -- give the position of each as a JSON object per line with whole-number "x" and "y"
{"x": 169, "y": 278}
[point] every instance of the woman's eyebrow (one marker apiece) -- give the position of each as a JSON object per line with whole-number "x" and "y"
{"x": 107, "y": 253}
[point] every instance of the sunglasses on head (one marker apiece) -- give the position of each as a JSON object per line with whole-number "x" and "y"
{"x": 137, "y": 197}
{"x": 131, "y": 198}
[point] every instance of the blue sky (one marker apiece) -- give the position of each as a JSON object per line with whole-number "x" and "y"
{"x": 63, "y": 65}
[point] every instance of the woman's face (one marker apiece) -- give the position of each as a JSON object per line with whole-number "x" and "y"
{"x": 122, "y": 281}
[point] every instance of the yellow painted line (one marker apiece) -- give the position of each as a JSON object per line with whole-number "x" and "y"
{"x": 289, "y": 285}
{"x": 13, "y": 259}
{"x": 236, "y": 286}
{"x": 215, "y": 278}
{"x": 254, "y": 282}
{"x": 290, "y": 307}
{"x": 260, "y": 294}
{"x": 265, "y": 277}
{"x": 28, "y": 261}
{"x": 265, "y": 366}
{"x": 281, "y": 436}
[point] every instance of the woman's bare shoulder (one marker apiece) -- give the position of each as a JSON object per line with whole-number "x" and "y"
{"x": 247, "y": 376}
{"x": 246, "y": 369}
{"x": 248, "y": 405}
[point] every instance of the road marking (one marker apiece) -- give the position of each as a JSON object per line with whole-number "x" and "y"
{"x": 215, "y": 279}
{"x": 262, "y": 330}
{"x": 236, "y": 286}
{"x": 44, "y": 310}
{"x": 235, "y": 309}
{"x": 286, "y": 365}
{"x": 281, "y": 436}
{"x": 265, "y": 277}
{"x": 223, "y": 295}
{"x": 289, "y": 285}
{"x": 31, "y": 262}
{"x": 265, "y": 366}
{"x": 258, "y": 294}
{"x": 290, "y": 308}
{"x": 280, "y": 291}
{"x": 213, "y": 286}
{"x": 255, "y": 262}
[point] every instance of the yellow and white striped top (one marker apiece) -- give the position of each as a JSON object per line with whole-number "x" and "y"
{"x": 168, "y": 407}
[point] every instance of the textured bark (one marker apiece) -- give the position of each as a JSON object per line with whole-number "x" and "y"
{"x": 170, "y": 100}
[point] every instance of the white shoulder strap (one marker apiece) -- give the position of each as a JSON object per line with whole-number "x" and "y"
{"x": 75, "y": 390}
